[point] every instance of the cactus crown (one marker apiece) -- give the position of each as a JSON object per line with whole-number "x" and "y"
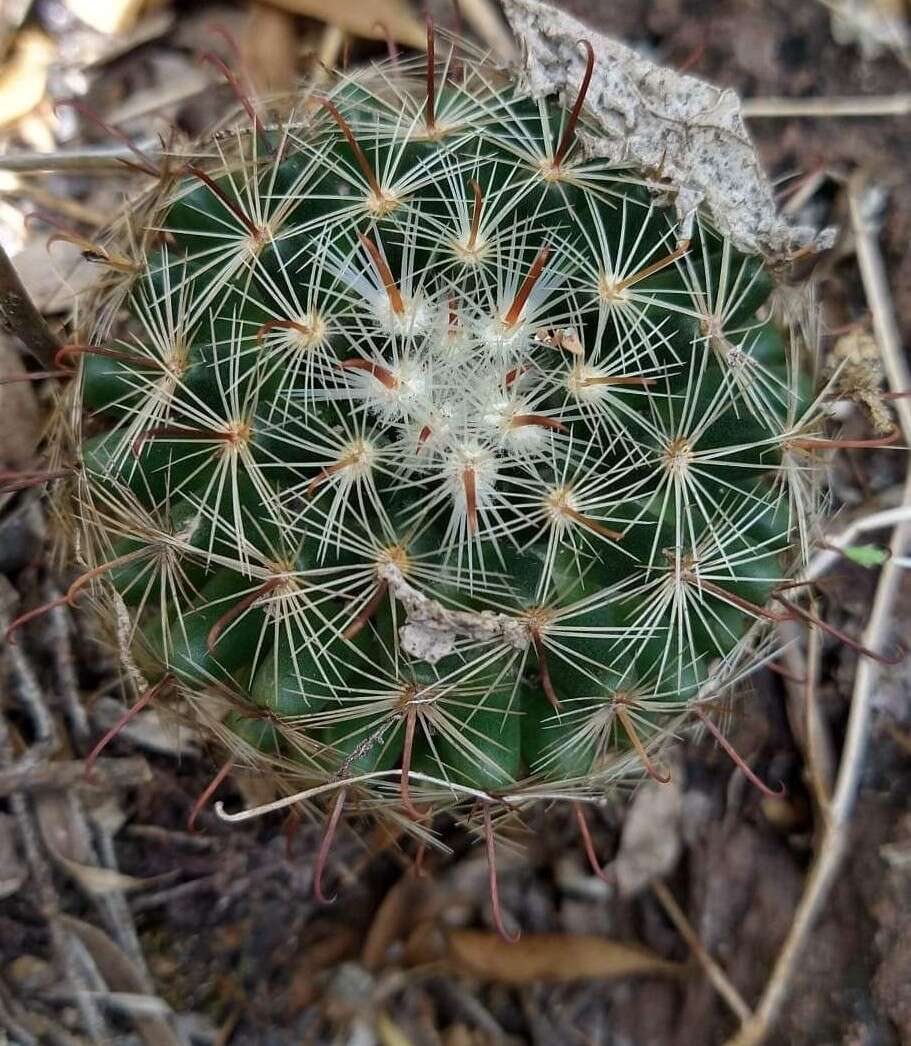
{"x": 422, "y": 442}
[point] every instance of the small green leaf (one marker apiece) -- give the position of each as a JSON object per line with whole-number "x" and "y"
{"x": 866, "y": 555}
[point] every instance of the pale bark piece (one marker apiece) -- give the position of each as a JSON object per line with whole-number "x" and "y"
{"x": 679, "y": 128}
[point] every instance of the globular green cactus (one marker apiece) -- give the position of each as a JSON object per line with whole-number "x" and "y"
{"x": 423, "y": 459}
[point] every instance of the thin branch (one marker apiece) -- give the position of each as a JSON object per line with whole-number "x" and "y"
{"x": 66, "y": 774}
{"x": 872, "y": 105}
{"x": 102, "y": 158}
{"x": 716, "y": 975}
{"x": 19, "y": 317}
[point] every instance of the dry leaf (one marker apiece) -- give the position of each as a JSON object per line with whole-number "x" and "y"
{"x": 107, "y": 16}
{"x": 72, "y": 851}
{"x": 408, "y": 901}
{"x": 54, "y": 278}
{"x": 23, "y": 80}
{"x": 120, "y": 975}
{"x": 373, "y": 20}
{"x": 148, "y": 729}
{"x": 551, "y": 957}
{"x": 13, "y": 872}
{"x": 651, "y": 841}
{"x": 269, "y": 50}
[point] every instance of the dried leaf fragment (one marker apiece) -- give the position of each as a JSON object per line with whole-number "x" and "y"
{"x": 651, "y": 842}
{"x": 372, "y": 21}
{"x": 552, "y": 957}
{"x": 108, "y": 17}
{"x": 269, "y": 49}
{"x": 685, "y": 131}
{"x": 23, "y": 80}
{"x": 72, "y": 851}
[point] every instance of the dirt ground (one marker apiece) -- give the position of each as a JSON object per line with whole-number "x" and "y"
{"x": 118, "y": 925}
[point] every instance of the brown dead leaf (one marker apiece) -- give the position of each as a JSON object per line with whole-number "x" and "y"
{"x": 330, "y": 951}
{"x": 120, "y": 975}
{"x": 269, "y": 49}
{"x": 410, "y": 900}
{"x": 23, "y": 79}
{"x": 552, "y": 957}
{"x": 372, "y": 21}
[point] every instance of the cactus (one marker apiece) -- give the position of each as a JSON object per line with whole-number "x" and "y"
{"x": 422, "y": 460}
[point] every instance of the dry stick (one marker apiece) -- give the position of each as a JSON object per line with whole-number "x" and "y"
{"x": 63, "y": 775}
{"x": 713, "y": 971}
{"x": 819, "y": 755}
{"x": 832, "y": 846}
{"x": 102, "y": 159}
{"x": 42, "y": 889}
{"x": 19, "y": 317}
{"x": 872, "y": 105}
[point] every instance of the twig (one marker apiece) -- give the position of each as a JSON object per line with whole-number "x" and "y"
{"x": 19, "y": 317}
{"x": 62, "y": 775}
{"x": 713, "y": 971}
{"x": 29, "y": 690}
{"x": 832, "y": 845}
{"x": 819, "y": 756}
{"x": 103, "y": 158}
{"x": 872, "y": 105}
{"x": 331, "y": 45}
{"x": 67, "y": 685}
{"x": 10, "y": 1024}
{"x": 44, "y": 896}
{"x": 824, "y": 560}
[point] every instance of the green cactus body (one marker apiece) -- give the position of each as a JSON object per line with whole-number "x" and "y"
{"x": 428, "y": 443}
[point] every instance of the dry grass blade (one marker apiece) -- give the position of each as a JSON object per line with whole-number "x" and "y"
{"x": 552, "y": 957}
{"x": 787, "y": 108}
